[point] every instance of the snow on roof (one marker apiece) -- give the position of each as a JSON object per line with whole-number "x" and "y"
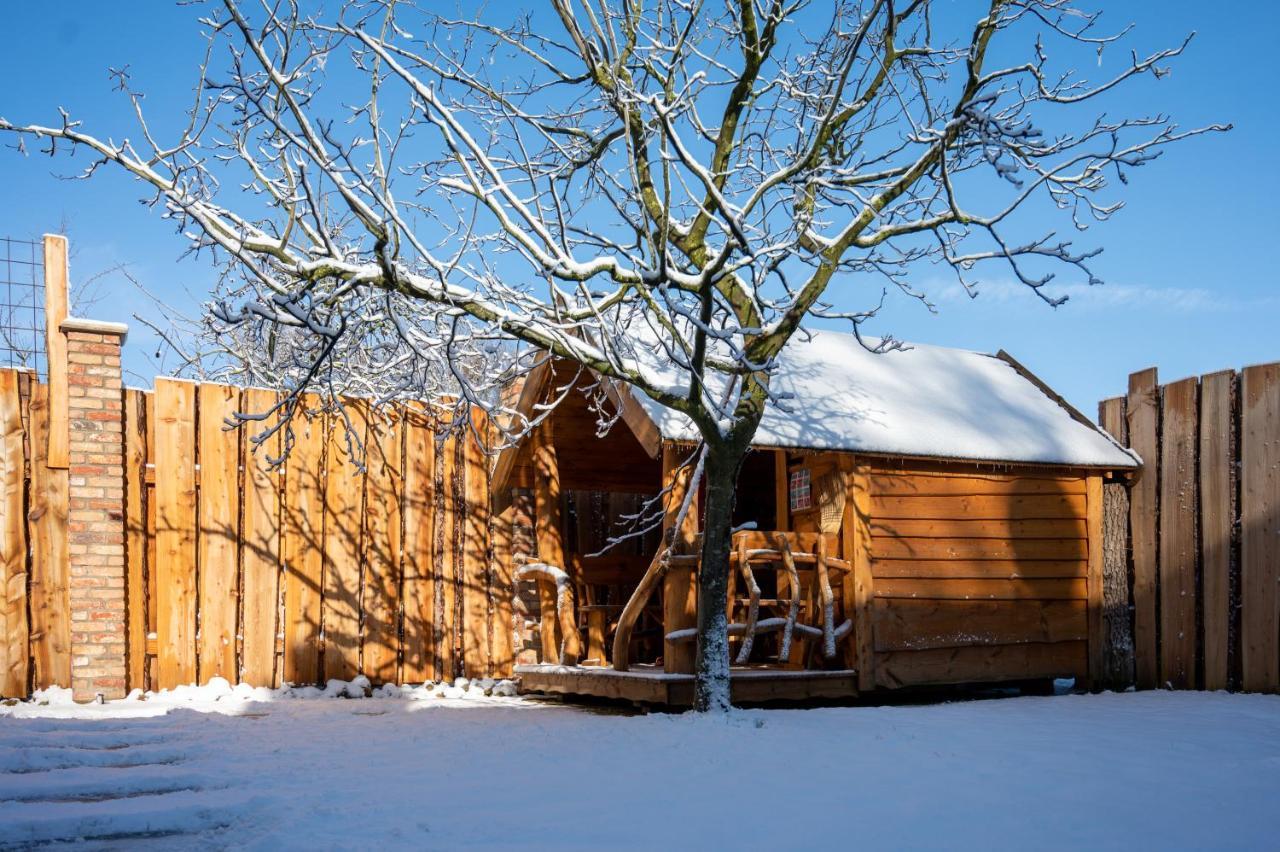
{"x": 927, "y": 401}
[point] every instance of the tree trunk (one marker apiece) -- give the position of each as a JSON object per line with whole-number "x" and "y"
{"x": 720, "y": 475}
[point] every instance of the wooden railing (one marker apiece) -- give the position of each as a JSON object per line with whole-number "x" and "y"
{"x": 778, "y": 551}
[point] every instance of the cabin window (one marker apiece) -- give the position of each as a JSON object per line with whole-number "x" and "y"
{"x": 800, "y": 490}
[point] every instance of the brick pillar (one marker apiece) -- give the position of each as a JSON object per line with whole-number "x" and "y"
{"x": 95, "y": 530}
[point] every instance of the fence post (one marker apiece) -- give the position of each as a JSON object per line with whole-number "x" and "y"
{"x": 96, "y": 507}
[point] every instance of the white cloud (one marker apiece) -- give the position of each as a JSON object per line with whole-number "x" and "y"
{"x": 1101, "y": 296}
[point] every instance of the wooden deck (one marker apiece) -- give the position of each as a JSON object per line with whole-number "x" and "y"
{"x": 653, "y": 686}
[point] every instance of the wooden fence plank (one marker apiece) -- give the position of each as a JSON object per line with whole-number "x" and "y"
{"x": 1178, "y": 439}
{"x": 380, "y": 599}
{"x": 57, "y": 452}
{"x": 14, "y": 631}
{"x": 1143, "y": 412}
{"x": 218, "y": 530}
{"x": 152, "y": 665}
{"x": 50, "y": 604}
{"x": 259, "y": 544}
{"x": 447, "y": 483}
{"x": 344, "y": 491}
{"x": 1217, "y": 520}
{"x": 475, "y": 557}
{"x": 175, "y": 566}
{"x": 1260, "y": 528}
{"x": 1116, "y": 614}
{"x": 135, "y": 533}
{"x": 418, "y": 580}
{"x": 303, "y": 546}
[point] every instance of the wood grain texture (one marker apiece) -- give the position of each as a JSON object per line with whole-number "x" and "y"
{"x": 57, "y": 452}
{"x": 504, "y": 593}
{"x": 344, "y": 491}
{"x": 886, "y": 484}
{"x": 49, "y": 589}
{"x": 380, "y": 599}
{"x": 14, "y": 628}
{"x": 1260, "y": 528}
{"x": 302, "y": 517}
{"x": 549, "y": 531}
{"x": 475, "y": 556}
{"x": 1178, "y": 550}
{"x": 449, "y": 488}
{"x": 961, "y": 569}
{"x": 136, "y": 456}
{"x": 175, "y": 565}
{"x": 912, "y": 625}
{"x": 1117, "y": 616}
{"x": 981, "y": 507}
{"x": 978, "y": 664}
{"x": 1143, "y": 406}
{"x": 218, "y": 522}
{"x": 1032, "y": 589}
{"x": 1021, "y": 549}
{"x": 679, "y": 586}
{"x": 1218, "y": 482}
{"x": 418, "y": 571}
{"x": 966, "y": 528}
{"x": 859, "y": 583}
{"x": 260, "y": 544}
{"x": 1097, "y": 632}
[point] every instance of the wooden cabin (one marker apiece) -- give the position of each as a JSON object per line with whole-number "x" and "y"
{"x": 920, "y": 517}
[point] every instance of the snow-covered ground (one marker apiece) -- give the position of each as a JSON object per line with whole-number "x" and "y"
{"x": 258, "y": 769}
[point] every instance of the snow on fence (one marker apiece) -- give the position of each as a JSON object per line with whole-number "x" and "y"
{"x": 1194, "y": 574}
{"x": 319, "y": 569}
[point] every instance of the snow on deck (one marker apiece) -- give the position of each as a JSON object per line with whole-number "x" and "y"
{"x": 928, "y": 401}
{"x": 260, "y": 770}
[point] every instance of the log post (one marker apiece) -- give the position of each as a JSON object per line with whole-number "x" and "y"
{"x": 679, "y": 589}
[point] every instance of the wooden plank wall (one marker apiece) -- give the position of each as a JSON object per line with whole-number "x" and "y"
{"x": 331, "y": 564}
{"x": 979, "y": 576}
{"x": 1204, "y": 526}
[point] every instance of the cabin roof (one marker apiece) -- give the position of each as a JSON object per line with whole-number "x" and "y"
{"x": 919, "y": 402}
{"x": 922, "y": 401}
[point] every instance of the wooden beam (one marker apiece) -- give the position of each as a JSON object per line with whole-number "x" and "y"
{"x": 1144, "y": 408}
{"x": 859, "y": 582}
{"x": 549, "y": 533}
{"x": 1096, "y": 626}
{"x": 679, "y": 584}
{"x": 57, "y": 454}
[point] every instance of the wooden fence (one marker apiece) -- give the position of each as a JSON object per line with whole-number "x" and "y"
{"x": 1195, "y": 572}
{"x": 320, "y": 568}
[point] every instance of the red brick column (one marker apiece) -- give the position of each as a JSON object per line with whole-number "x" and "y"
{"x": 95, "y": 533}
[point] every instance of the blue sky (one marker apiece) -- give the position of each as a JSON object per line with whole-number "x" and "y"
{"x": 1189, "y": 264}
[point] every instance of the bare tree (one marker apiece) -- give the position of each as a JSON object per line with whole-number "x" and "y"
{"x": 695, "y": 176}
